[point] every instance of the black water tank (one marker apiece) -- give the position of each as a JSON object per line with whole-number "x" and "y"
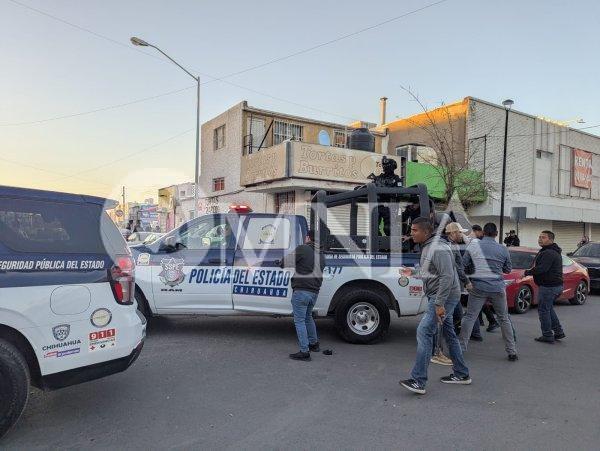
{"x": 362, "y": 139}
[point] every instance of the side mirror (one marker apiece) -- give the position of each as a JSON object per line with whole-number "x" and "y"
{"x": 570, "y": 254}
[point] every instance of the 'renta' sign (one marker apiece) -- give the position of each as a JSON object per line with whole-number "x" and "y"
{"x": 582, "y": 169}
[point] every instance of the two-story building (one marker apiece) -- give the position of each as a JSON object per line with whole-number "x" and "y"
{"x": 275, "y": 162}
{"x": 552, "y": 173}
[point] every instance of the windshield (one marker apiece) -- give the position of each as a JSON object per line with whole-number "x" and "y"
{"x": 588, "y": 250}
{"x": 521, "y": 260}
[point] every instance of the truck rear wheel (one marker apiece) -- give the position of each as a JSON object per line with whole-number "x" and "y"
{"x": 362, "y": 317}
{"x": 14, "y": 385}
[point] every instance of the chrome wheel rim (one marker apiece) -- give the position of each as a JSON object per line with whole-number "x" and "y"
{"x": 580, "y": 293}
{"x": 523, "y": 299}
{"x": 362, "y": 318}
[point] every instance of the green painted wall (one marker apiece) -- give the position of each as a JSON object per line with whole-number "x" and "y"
{"x": 427, "y": 174}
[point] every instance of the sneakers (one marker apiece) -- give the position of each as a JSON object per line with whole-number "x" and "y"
{"x": 413, "y": 386}
{"x": 492, "y": 327}
{"x": 454, "y": 379}
{"x": 314, "y": 347}
{"x": 476, "y": 338}
{"x": 513, "y": 357}
{"x": 559, "y": 336}
{"x": 301, "y": 356}
{"x": 543, "y": 339}
{"x": 441, "y": 359}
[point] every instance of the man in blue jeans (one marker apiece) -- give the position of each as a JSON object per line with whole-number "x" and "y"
{"x": 306, "y": 282}
{"x": 547, "y": 274}
{"x": 442, "y": 288}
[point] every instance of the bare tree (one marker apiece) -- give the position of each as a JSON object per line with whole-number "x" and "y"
{"x": 452, "y": 157}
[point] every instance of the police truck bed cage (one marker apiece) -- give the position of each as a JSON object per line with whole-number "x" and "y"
{"x": 376, "y": 197}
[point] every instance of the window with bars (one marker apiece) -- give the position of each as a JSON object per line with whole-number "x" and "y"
{"x": 339, "y": 138}
{"x": 286, "y": 130}
{"x": 219, "y": 137}
{"x": 219, "y": 184}
{"x": 285, "y": 203}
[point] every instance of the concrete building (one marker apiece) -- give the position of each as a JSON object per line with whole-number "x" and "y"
{"x": 553, "y": 171}
{"x": 274, "y": 162}
{"x": 175, "y": 205}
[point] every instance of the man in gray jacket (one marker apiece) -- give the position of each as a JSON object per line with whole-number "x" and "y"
{"x": 485, "y": 262}
{"x": 442, "y": 288}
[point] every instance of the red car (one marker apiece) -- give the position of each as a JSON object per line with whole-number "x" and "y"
{"x": 521, "y": 291}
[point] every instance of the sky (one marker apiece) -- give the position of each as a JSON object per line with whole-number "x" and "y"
{"x": 540, "y": 53}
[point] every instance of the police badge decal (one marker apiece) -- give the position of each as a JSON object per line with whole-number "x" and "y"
{"x": 172, "y": 271}
{"x": 61, "y": 332}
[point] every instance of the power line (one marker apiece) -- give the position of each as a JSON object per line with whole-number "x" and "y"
{"x": 111, "y": 107}
{"x": 49, "y": 171}
{"x": 222, "y": 78}
{"x": 110, "y": 163}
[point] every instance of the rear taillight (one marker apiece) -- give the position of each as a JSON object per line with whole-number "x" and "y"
{"x": 122, "y": 280}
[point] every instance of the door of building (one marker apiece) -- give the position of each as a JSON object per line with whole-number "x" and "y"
{"x": 568, "y": 234}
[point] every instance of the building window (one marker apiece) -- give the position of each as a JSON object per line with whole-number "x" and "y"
{"x": 192, "y": 214}
{"x": 219, "y": 137}
{"x": 181, "y": 193}
{"x": 285, "y": 203}
{"x": 339, "y": 138}
{"x": 219, "y": 184}
{"x": 285, "y": 130}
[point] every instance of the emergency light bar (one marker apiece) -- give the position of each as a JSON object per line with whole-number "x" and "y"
{"x": 240, "y": 209}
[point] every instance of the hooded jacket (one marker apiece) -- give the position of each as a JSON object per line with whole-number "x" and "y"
{"x": 438, "y": 271}
{"x": 547, "y": 267}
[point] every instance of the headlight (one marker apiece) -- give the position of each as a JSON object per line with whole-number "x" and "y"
{"x": 509, "y": 282}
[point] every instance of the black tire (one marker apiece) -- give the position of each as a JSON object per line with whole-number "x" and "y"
{"x": 142, "y": 305}
{"x": 14, "y": 385}
{"x": 523, "y": 299}
{"x": 581, "y": 292}
{"x": 362, "y": 305}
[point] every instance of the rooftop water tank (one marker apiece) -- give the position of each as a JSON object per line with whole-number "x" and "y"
{"x": 362, "y": 139}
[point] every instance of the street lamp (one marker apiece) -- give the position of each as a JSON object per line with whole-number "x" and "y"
{"x": 508, "y": 103}
{"x": 140, "y": 42}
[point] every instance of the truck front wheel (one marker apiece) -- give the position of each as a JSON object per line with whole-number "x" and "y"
{"x": 14, "y": 385}
{"x": 362, "y": 317}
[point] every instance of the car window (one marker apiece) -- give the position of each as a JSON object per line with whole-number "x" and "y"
{"x": 588, "y": 250}
{"x": 566, "y": 261}
{"x": 521, "y": 260}
{"x": 50, "y": 227}
{"x": 207, "y": 233}
{"x": 268, "y": 233}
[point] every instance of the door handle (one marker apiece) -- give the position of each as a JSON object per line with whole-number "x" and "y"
{"x": 216, "y": 261}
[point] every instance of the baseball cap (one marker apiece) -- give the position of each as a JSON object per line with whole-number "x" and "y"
{"x": 455, "y": 227}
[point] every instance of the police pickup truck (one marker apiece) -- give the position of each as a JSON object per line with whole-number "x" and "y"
{"x": 230, "y": 264}
{"x": 67, "y": 312}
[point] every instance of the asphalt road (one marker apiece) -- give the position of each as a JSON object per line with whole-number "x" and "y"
{"x": 227, "y": 383}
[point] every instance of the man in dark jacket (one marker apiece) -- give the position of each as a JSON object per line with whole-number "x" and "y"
{"x": 308, "y": 263}
{"x": 512, "y": 239}
{"x": 547, "y": 274}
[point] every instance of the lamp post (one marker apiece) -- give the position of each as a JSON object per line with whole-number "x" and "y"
{"x": 142, "y": 43}
{"x": 508, "y": 103}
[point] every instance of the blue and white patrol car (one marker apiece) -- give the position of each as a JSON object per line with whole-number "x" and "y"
{"x": 230, "y": 264}
{"x": 67, "y": 312}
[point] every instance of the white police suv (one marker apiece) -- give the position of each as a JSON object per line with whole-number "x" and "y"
{"x": 67, "y": 312}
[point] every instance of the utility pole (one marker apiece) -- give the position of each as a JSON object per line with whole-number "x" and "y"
{"x": 508, "y": 103}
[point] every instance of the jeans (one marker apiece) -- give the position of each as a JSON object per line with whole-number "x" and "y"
{"x": 303, "y": 303}
{"x": 548, "y": 319}
{"x": 477, "y": 299}
{"x": 425, "y": 333}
